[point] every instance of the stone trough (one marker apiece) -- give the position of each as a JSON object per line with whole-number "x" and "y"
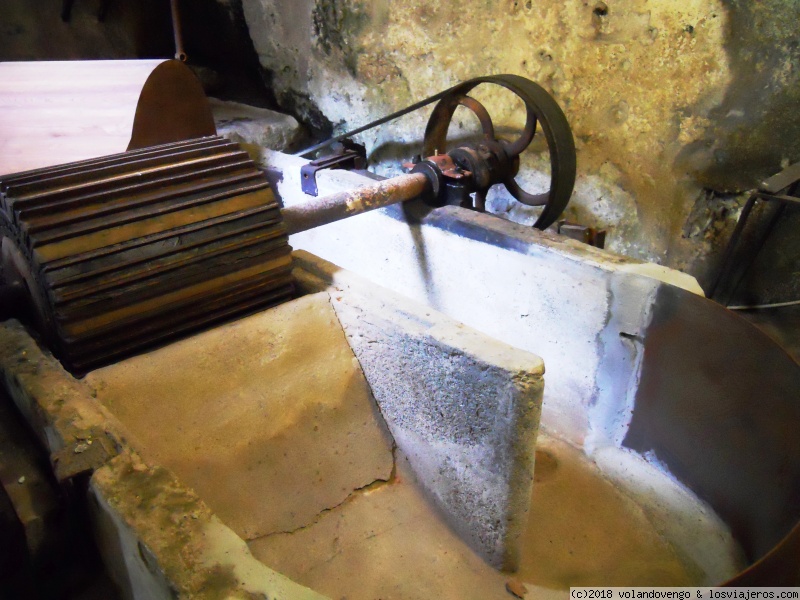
{"x": 363, "y": 442}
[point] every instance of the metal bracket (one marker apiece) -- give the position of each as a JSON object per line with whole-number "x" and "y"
{"x": 780, "y": 191}
{"x": 582, "y": 233}
{"x": 348, "y": 155}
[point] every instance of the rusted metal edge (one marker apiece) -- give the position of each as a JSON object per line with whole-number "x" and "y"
{"x": 335, "y": 207}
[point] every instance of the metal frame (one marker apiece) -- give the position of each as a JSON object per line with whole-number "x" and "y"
{"x": 782, "y": 189}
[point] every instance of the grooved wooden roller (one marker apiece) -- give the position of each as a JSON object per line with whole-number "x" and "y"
{"x": 121, "y": 252}
{"x": 117, "y": 254}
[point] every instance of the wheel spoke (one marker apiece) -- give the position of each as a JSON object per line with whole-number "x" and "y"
{"x": 543, "y": 112}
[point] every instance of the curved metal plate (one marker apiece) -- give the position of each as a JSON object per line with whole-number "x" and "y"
{"x": 172, "y": 107}
{"x": 719, "y": 403}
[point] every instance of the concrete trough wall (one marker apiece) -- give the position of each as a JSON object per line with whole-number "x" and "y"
{"x": 580, "y": 309}
{"x": 637, "y": 360}
{"x": 598, "y": 320}
{"x": 463, "y": 409}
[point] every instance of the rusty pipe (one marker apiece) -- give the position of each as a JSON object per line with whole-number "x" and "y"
{"x": 180, "y": 53}
{"x": 327, "y": 209}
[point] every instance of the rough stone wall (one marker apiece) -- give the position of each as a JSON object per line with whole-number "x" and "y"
{"x": 676, "y": 106}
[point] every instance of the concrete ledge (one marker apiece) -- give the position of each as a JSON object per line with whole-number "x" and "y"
{"x": 159, "y": 540}
{"x": 79, "y": 433}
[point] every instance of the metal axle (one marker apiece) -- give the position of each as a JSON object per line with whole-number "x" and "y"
{"x": 242, "y": 241}
{"x": 327, "y": 209}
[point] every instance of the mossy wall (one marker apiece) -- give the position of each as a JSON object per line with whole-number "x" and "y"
{"x": 676, "y": 106}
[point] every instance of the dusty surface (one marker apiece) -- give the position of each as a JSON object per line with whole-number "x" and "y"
{"x": 583, "y": 531}
{"x": 269, "y": 419}
{"x": 387, "y": 542}
{"x": 587, "y": 530}
{"x": 160, "y": 541}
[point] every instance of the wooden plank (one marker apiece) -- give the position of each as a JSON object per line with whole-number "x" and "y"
{"x": 59, "y": 112}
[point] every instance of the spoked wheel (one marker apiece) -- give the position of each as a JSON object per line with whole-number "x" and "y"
{"x": 543, "y": 112}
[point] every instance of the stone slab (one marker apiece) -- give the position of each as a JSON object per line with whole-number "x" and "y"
{"x": 259, "y": 127}
{"x": 464, "y": 408}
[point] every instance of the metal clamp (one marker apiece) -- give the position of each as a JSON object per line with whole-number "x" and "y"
{"x": 778, "y": 192}
{"x": 348, "y": 155}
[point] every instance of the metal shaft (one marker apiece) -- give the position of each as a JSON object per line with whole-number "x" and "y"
{"x": 180, "y": 53}
{"x": 327, "y": 209}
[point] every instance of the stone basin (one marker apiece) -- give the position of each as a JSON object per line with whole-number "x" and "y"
{"x": 394, "y": 434}
{"x": 336, "y": 444}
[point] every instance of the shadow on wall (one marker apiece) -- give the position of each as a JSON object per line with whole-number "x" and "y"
{"x": 214, "y": 33}
{"x": 36, "y": 31}
{"x": 755, "y": 130}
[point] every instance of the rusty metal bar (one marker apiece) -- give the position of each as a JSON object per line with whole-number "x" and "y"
{"x": 180, "y": 53}
{"x": 737, "y": 260}
{"x": 327, "y": 209}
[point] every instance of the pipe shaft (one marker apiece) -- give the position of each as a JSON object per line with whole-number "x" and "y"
{"x": 327, "y": 209}
{"x": 180, "y": 53}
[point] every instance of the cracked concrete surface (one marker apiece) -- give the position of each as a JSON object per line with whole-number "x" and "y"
{"x": 367, "y": 548}
{"x": 270, "y": 418}
{"x": 584, "y": 530}
{"x": 364, "y": 489}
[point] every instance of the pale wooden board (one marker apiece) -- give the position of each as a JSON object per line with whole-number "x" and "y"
{"x": 59, "y": 112}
